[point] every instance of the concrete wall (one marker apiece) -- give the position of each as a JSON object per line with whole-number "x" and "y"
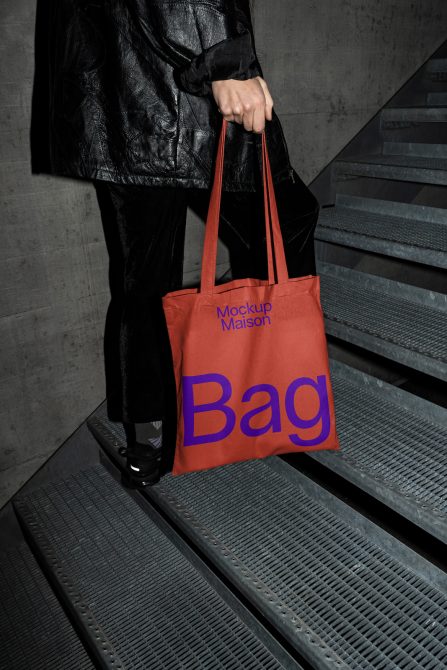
{"x": 330, "y": 65}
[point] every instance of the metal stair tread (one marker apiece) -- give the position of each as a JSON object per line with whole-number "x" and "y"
{"x": 437, "y": 64}
{"x": 410, "y": 107}
{"x": 140, "y": 600}
{"x": 401, "y": 327}
{"x": 397, "y": 160}
{"x": 417, "y": 113}
{"x": 359, "y": 223}
{"x": 34, "y": 630}
{"x": 438, "y": 99}
{"x": 393, "y": 445}
{"x": 310, "y": 562}
{"x": 366, "y": 605}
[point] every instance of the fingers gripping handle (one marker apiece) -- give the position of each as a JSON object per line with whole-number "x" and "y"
{"x": 275, "y": 251}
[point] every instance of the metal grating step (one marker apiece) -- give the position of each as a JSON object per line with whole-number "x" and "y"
{"x": 399, "y": 321}
{"x": 311, "y": 566}
{"x": 395, "y": 229}
{"x": 437, "y": 99}
{"x": 34, "y": 630}
{"x": 393, "y": 445}
{"x": 141, "y": 602}
{"x": 423, "y": 169}
{"x": 418, "y": 149}
{"x": 395, "y": 116}
{"x": 436, "y": 69}
{"x": 325, "y": 576}
{"x": 413, "y": 149}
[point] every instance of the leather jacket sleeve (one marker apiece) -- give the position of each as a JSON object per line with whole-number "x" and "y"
{"x": 203, "y": 40}
{"x": 233, "y": 58}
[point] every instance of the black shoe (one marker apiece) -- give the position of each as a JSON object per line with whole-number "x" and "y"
{"x": 142, "y": 465}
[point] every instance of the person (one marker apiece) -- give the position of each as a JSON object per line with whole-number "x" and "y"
{"x": 130, "y": 95}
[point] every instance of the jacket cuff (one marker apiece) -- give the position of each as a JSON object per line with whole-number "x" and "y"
{"x": 233, "y": 58}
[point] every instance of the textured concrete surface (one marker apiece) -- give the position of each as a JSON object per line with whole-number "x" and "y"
{"x": 330, "y": 65}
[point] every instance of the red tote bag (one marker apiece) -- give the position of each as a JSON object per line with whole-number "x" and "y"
{"x": 250, "y": 356}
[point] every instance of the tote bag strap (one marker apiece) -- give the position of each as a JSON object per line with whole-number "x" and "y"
{"x": 275, "y": 251}
{"x": 270, "y": 205}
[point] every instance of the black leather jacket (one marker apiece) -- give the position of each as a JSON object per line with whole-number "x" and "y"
{"x": 122, "y": 92}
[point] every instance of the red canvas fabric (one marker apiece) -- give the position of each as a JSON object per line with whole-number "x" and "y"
{"x": 250, "y": 356}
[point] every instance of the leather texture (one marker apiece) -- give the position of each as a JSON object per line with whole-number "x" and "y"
{"x": 122, "y": 92}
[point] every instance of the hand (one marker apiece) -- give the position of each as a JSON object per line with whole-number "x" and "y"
{"x": 247, "y": 102}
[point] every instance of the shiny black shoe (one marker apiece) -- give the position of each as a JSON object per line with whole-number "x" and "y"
{"x": 142, "y": 465}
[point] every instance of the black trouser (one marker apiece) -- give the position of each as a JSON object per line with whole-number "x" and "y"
{"x": 144, "y": 229}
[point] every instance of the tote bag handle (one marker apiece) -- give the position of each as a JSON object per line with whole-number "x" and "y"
{"x": 275, "y": 251}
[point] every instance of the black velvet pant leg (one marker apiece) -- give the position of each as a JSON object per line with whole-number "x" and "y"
{"x": 144, "y": 229}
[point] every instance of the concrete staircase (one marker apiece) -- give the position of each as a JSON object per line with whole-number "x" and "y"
{"x": 315, "y": 561}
